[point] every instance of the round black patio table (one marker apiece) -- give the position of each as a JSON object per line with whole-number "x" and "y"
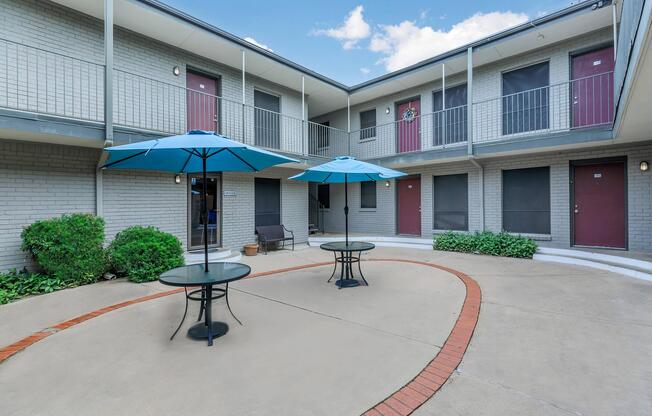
{"x": 346, "y": 259}
{"x": 193, "y": 276}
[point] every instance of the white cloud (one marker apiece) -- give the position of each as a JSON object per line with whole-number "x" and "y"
{"x": 351, "y": 31}
{"x": 260, "y": 45}
{"x": 406, "y": 43}
{"x": 365, "y": 71}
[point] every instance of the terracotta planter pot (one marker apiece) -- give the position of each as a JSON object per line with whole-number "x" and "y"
{"x": 251, "y": 249}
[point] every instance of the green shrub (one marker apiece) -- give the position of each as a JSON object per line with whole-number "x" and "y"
{"x": 143, "y": 253}
{"x": 501, "y": 244}
{"x": 68, "y": 248}
{"x": 14, "y": 285}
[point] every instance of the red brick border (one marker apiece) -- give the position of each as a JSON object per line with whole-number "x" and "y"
{"x": 402, "y": 402}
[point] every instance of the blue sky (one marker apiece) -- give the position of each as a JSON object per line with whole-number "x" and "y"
{"x": 355, "y": 41}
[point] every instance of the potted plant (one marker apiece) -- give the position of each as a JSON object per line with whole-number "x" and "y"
{"x": 251, "y": 249}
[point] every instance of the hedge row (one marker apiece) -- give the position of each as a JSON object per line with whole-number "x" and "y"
{"x": 69, "y": 251}
{"x": 501, "y": 244}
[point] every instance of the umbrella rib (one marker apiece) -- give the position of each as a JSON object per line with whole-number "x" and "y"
{"x": 215, "y": 152}
{"x": 183, "y": 168}
{"x": 242, "y": 160}
{"x": 367, "y": 175}
{"x": 126, "y": 158}
{"x": 326, "y": 178}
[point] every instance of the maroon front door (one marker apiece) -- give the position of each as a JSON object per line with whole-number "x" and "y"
{"x": 593, "y": 88}
{"x": 599, "y": 205}
{"x": 201, "y": 102}
{"x": 408, "y": 195}
{"x": 408, "y": 123}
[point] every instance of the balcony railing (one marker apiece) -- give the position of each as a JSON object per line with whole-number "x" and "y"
{"x": 45, "y": 82}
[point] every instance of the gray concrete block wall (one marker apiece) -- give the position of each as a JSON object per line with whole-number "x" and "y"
{"x": 39, "y": 181}
{"x": 379, "y": 220}
{"x": 239, "y": 209}
{"x": 133, "y": 197}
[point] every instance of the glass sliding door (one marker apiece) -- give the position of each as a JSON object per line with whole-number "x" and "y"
{"x": 525, "y": 99}
{"x": 267, "y": 120}
{"x": 195, "y": 217}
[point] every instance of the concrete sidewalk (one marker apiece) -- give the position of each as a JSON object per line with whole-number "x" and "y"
{"x": 551, "y": 340}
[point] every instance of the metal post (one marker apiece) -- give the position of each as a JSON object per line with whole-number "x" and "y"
{"x": 346, "y": 208}
{"x": 443, "y": 102}
{"x": 108, "y": 72}
{"x": 303, "y": 114}
{"x": 348, "y": 124}
{"x": 205, "y": 209}
{"x": 614, "y": 24}
{"x": 244, "y": 96}
{"x": 469, "y": 99}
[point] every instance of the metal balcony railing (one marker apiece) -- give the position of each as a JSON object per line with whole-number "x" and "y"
{"x": 580, "y": 103}
{"x": 40, "y": 81}
{"x": 45, "y": 82}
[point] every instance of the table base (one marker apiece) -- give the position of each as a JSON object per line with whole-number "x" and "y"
{"x": 200, "y": 330}
{"x": 347, "y": 283}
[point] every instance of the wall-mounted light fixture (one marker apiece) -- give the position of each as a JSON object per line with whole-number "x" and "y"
{"x": 644, "y": 166}
{"x": 176, "y": 71}
{"x": 386, "y": 184}
{"x": 387, "y": 110}
{"x": 177, "y": 179}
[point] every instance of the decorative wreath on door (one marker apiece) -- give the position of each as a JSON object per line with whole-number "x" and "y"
{"x": 409, "y": 114}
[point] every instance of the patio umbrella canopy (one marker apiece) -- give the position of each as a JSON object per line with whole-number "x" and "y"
{"x": 194, "y": 152}
{"x": 345, "y": 169}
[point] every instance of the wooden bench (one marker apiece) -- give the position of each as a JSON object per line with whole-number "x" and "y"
{"x": 273, "y": 234}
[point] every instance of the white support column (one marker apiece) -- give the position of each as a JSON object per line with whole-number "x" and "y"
{"x": 303, "y": 114}
{"x": 443, "y": 102}
{"x": 469, "y": 99}
{"x": 348, "y": 123}
{"x": 244, "y": 89}
{"x": 614, "y": 23}
{"x": 244, "y": 97}
{"x": 108, "y": 72}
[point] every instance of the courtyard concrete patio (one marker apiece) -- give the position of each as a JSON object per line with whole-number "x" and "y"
{"x": 550, "y": 340}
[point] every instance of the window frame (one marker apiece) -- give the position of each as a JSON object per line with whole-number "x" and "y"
{"x": 505, "y": 114}
{"x": 466, "y": 212}
{"x": 549, "y": 198}
{"x": 373, "y": 186}
{"x": 369, "y": 132}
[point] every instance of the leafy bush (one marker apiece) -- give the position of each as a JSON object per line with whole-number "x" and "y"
{"x": 14, "y": 285}
{"x": 501, "y": 244}
{"x": 68, "y": 248}
{"x": 143, "y": 253}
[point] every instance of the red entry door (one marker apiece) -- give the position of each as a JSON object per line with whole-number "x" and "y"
{"x": 408, "y": 123}
{"x": 599, "y": 205}
{"x": 408, "y": 194}
{"x": 201, "y": 102}
{"x": 593, "y": 88}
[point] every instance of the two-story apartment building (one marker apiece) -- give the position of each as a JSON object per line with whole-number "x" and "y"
{"x": 537, "y": 130}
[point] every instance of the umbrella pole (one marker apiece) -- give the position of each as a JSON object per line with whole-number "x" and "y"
{"x": 346, "y": 208}
{"x": 205, "y": 209}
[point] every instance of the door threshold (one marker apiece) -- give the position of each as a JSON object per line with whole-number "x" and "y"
{"x": 600, "y": 247}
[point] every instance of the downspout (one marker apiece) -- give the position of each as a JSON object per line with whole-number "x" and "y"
{"x": 614, "y": 18}
{"x": 108, "y": 105}
{"x": 475, "y": 163}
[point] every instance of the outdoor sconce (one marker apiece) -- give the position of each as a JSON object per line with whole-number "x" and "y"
{"x": 177, "y": 179}
{"x": 386, "y": 184}
{"x": 176, "y": 71}
{"x": 644, "y": 166}
{"x": 387, "y": 110}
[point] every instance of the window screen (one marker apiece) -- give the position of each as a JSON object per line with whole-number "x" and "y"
{"x": 267, "y": 201}
{"x": 368, "y": 194}
{"x": 324, "y": 195}
{"x": 526, "y": 200}
{"x": 451, "y": 202}
{"x": 454, "y": 117}
{"x": 525, "y": 99}
{"x": 368, "y": 124}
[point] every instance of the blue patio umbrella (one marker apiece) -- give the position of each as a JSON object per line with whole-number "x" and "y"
{"x": 345, "y": 169}
{"x": 194, "y": 152}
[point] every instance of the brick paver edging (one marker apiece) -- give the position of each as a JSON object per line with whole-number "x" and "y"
{"x": 402, "y": 402}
